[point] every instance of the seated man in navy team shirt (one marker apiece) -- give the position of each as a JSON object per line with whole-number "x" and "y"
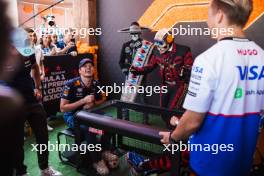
{"x": 83, "y": 93}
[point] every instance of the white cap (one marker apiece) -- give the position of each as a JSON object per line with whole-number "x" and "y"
{"x": 161, "y": 34}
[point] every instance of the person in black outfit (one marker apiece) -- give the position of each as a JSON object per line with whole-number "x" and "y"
{"x": 22, "y": 82}
{"x": 10, "y": 101}
{"x": 130, "y": 48}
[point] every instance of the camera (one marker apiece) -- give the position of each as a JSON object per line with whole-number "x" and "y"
{"x": 73, "y": 40}
{"x": 51, "y": 20}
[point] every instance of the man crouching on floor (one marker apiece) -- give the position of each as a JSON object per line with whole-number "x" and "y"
{"x": 82, "y": 93}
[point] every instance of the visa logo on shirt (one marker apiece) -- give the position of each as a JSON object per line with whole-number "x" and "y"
{"x": 251, "y": 73}
{"x": 197, "y": 69}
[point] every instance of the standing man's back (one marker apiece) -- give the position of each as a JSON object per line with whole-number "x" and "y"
{"x": 225, "y": 96}
{"x": 230, "y": 76}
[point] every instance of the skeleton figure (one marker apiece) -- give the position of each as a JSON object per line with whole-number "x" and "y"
{"x": 129, "y": 48}
{"x": 175, "y": 62}
{"x": 163, "y": 44}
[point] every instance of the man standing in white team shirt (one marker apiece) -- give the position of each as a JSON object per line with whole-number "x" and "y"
{"x": 225, "y": 97}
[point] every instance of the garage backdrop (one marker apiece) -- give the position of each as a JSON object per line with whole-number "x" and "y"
{"x": 116, "y": 14}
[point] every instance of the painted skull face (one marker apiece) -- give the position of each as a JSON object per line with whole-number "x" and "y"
{"x": 160, "y": 41}
{"x": 162, "y": 46}
{"x": 135, "y": 37}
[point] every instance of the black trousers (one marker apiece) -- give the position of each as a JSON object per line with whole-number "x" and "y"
{"x": 36, "y": 117}
{"x": 10, "y": 122}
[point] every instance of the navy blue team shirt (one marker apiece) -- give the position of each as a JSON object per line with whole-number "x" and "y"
{"x": 75, "y": 90}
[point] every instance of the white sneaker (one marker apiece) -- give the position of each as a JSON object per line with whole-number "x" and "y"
{"x": 50, "y": 172}
{"x": 49, "y": 128}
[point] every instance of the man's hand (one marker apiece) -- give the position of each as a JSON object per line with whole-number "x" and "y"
{"x": 88, "y": 99}
{"x": 53, "y": 52}
{"x": 133, "y": 69}
{"x": 174, "y": 121}
{"x": 125, "y": 71}
{"x": 165, "y": 137}
{"x": 70, "y": 45}
{"x": 88, "y": 105}
{"x": 73, "y": 53}
{"x": 38, "y": 94}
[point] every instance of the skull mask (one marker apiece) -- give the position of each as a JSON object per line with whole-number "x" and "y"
{"x": 161, "y": 42}
{"x": 135, "y": 36}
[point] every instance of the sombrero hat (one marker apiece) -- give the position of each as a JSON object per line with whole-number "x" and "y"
{"x": 134, "y": 29}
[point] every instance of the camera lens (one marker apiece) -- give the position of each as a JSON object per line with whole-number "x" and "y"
{"x": 51, "y": 23}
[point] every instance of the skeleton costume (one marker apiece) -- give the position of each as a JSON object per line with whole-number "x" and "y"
{"x": 130, "y": 48}
{"x": 175, "y": 63}
{"x": 128, "y": 52}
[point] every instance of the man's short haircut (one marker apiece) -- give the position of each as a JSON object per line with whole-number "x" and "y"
{"x": 29, "y": 30}
{"x": 237, "y": 11}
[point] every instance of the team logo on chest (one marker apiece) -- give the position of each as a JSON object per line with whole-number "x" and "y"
{"x": 79, "y": 92}
{"x": 27, "y": 63}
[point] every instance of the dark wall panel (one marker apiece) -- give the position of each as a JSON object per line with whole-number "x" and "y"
{"x": 116, "y": 14}
{"x": 112, "y": 16}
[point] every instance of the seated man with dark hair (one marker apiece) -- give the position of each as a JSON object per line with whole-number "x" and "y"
{"x": 82, "y": 93}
